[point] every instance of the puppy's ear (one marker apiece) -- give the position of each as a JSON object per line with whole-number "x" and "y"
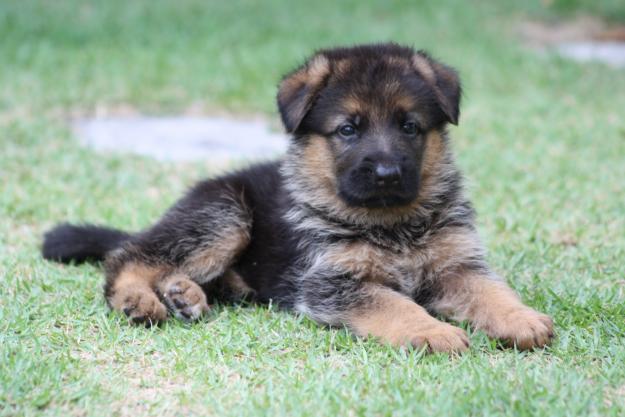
{"x": 445, "y": 82}
{"x": 298, "y": 90}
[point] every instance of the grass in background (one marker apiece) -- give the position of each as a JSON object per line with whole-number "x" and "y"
{"x": 612, "y": 10}
{"x": 542, "y": 142}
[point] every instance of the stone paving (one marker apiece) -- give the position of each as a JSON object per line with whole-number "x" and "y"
{"x": 610, "y": 53}
{"x": 584, "y": 39}
{"x": 183, "y": 138}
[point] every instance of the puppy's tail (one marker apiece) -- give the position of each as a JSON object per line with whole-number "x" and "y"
{"x": 66, "y": 243}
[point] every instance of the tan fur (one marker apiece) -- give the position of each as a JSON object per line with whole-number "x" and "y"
{"x": 451, "y": 247}
{"x": 352, "y": 106}
{"x": 342, "y": 66}
{"x": 363, "y": 267}
{"x": 397, "y": 61}
{"x": 311, "y": 74}
{"x": 433, "y": 155}
{"x": 400, "y": 102}
{"x": 207, "y": 263}
{"x": 490, "y": 305}
{"x": 403, "y": 269}
{"x": 311, "y": 77}
{"x": 335, "y": 121}
{"x": 433, "y": 166}
{"x": 318, "y": 165}
{"x": 396, "y": 319}
{"x": 317, "y": 68}
{"x": 133, "y": 292}
{"x": 364, "y": 261}
{"x": 237, "y": 285}
{"x": 393, "y": 93}
{"x": 436, "y": 74}
{"x": 184, "y": 296}
{"x": 315, "y": 168}
{"x": 423, "y": 66}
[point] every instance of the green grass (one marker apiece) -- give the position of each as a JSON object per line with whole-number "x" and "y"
{"x": 612, "y": 10}
{"x": 542, "y": 141}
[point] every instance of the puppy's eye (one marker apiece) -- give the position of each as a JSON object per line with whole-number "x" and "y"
{"x": 347, "y": 130}
{"x": 409, "y": 128}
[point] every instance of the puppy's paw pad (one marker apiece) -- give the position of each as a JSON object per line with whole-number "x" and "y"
{"x": 185, "y": 299}
{"x": 526, "y": 329}
{"x": 143, "y": 307}
{"x": 442, "y": 338}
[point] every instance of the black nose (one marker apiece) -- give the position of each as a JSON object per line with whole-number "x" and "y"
{"x": 387, "y": 174}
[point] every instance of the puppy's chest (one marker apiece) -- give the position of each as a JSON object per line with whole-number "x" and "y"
{"x": 403, "y": 269}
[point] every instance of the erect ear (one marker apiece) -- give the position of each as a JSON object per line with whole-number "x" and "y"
{"x": 445, "y": 82}
{"x": 298, "y": 90}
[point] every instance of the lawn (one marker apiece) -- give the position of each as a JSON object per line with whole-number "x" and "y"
{"x": 541, "y": 141}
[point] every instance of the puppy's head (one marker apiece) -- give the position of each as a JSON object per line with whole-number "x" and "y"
{"x": 361, "y": 119}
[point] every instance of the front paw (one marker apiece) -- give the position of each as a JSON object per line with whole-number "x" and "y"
{"x": 441, "y": 337}
{"x": 524, "y": 328}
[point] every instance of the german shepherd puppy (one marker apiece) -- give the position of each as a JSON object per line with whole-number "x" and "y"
{"x": 362, "y": 224}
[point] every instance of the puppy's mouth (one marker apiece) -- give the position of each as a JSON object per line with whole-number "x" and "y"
{"x": 377, "y": 198}
{"x": 362, "y": 188}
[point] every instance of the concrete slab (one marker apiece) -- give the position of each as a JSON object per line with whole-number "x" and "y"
{"x": 183, "y": 138}
{"x": 584, "y": 39}
{"x": 610, "y": 53}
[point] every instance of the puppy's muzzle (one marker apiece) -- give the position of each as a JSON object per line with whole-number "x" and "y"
{"x": 386, "y": 174}
{"x": 383, "y": 173}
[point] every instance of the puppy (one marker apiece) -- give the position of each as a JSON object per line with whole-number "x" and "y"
{"x": 362, "y": 224}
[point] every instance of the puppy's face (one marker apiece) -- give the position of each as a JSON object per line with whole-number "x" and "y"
{"x": 369, "y": 111}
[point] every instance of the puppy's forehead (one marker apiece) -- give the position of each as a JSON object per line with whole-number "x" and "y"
{"x": 382, "y": 67}
{"x": 376, "y": 88}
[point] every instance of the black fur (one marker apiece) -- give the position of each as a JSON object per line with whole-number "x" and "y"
{"x": 363, "y": 223}
{"x": 67, "y": 243}
{"x": 283, "y": 228}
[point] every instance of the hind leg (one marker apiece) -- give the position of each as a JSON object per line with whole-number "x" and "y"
{"x": 194, "y": 243}
{"x": 146, "y": 293}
